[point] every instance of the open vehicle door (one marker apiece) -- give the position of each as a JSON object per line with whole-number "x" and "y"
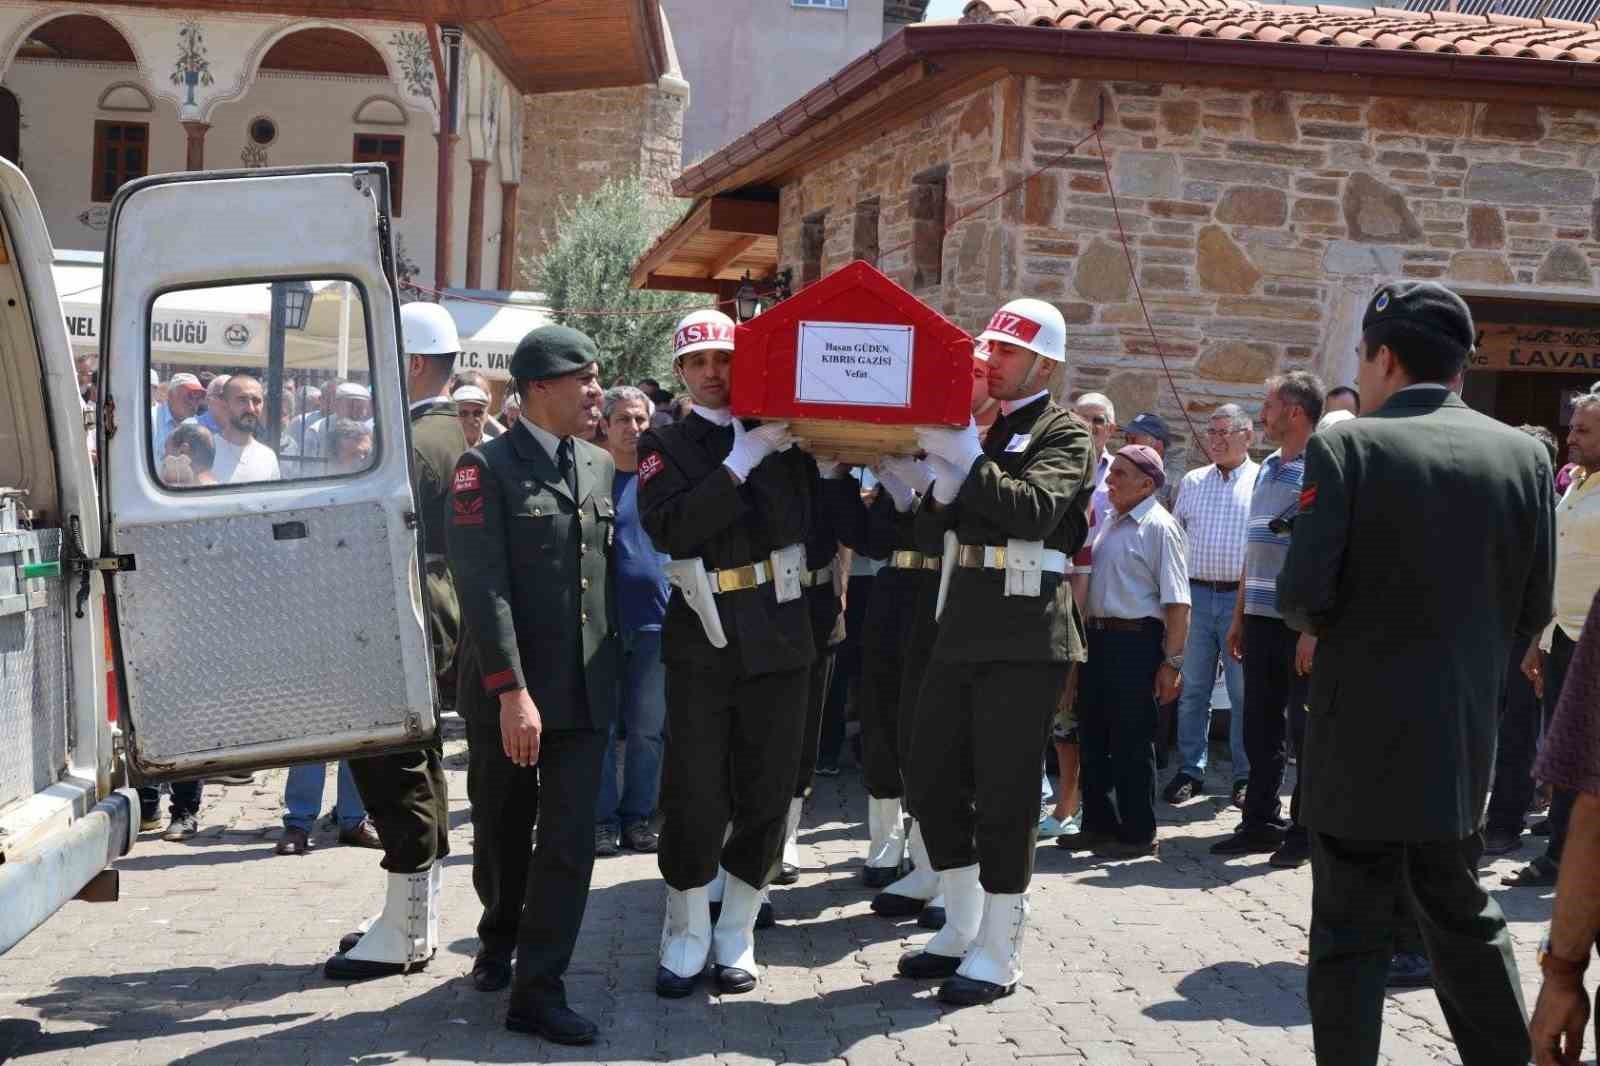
{"x": 262, "y": 568}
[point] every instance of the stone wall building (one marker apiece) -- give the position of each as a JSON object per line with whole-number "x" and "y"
{"x": 1271, "y": 166}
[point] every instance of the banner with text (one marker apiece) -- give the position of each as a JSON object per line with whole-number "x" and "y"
{"x": 854, "y": 363}
{"x": 1537, "y": 348}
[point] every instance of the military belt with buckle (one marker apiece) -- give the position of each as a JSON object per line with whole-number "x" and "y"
{"x": 993, "y": 557}
{"x": 913, "y": 560}
{"x": 740, "y": 578}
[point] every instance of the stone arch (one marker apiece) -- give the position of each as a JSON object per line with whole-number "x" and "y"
{"x": 125, "y": 96}
{"x": 258, "y": 52}
{"x": 14, "y": 44}
{"x": 381, "y": 110}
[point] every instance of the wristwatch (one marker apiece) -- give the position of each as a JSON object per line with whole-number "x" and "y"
{"x": 1174, "y": 661}
{"x": 1559, "y": 965}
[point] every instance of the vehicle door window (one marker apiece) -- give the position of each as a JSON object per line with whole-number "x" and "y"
{"x": 258, "y": 382}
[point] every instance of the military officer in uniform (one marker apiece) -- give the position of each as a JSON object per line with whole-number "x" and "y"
{"x": 1414, "y": 631}
{"x": 406, "y": 795}
{"x": 530, "y": 535}
{"x": 897, "y": 641}
{"x": 733, "y": 506}
{"x": 1014, "y": 500}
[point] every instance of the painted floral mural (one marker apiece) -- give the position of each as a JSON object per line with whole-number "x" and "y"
{"x": 416, "y": 63}
{"x": 192, "y": 67}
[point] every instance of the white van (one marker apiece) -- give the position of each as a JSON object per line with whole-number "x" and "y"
{"x": 158, "y": 623}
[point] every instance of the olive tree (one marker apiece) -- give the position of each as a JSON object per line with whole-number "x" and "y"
{"x": 596, "y": 241}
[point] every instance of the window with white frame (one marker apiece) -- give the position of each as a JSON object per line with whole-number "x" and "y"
{"x": 832, "y": 5}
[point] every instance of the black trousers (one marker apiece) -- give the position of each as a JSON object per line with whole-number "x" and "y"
{"x": 1117, "y": 731}
{"x": 1354, "y": 890}
{"x": 846, "y": 672}
{"x": 733, "y": 760}
{"x": 533, "y": 896}
{"x": 1561, "y": 800}
{"x": 408, "y": 800}
{"x": 816, "y": 702}
{"x": 974, "y": 766}
{"x": 885, "y": 640}
{"x": 1271, "y": 688}
{"x": 1518, "y": 744}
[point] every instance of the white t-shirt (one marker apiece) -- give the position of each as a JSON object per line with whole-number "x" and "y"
{"x": 235, "y": 465}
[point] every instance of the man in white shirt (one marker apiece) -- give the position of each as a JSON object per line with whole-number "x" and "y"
{"x": 1138, "y": 617}
{"x": 1213, "y": 507}
{"x": 240, "y": 457}
{"x": 1577, "y": 581}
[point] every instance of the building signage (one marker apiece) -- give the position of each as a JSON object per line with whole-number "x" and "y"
{"x": 177, "y": 330}
{"x": 489, "y": 363}
{"x": 1530, "y": 347}
{"x": 854, "y": 363}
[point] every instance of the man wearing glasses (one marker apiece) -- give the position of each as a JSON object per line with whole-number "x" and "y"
{"x": 1213, "y": 507}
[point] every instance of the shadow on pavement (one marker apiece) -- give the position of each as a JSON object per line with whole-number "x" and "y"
{"x": 1271, "y": 996}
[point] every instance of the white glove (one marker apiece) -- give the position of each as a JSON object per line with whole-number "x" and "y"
{"x": 959, "y": 447}
{"x": 751, "y": 446}
{"x": 902, "y": 494}
{"x": 947, "y": 479}
{"x": 914, "y": 473}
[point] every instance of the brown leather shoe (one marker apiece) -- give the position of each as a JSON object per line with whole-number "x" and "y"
{"x": 294, "y": 842}
{"x": 364, "y": 835}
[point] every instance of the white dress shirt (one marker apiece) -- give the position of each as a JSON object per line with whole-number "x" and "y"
{"x": 1139, "y": 564}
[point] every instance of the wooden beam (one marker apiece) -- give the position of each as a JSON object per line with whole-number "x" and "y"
{"x": 737, "y": 247}
{"x": 743, "y": 216}
{"x": 678, "y": 283}
{"x": 669, "y": 243}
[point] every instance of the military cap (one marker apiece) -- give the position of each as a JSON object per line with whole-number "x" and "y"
{"x": 552, "y": 352}
{"x": 1422, "y": 303}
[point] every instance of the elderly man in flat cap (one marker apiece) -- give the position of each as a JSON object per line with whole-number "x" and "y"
{"x": 1137, "y": 610}
{"x": 530, "y": 531}
{"x": 1423, "y": 547}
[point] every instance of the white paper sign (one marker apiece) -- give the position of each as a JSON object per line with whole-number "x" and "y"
{"x": 854, "y": 363}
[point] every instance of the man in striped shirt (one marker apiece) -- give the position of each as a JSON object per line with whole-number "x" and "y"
{"x": 1276, "y": 659}
{"x": 1213, "y": 504}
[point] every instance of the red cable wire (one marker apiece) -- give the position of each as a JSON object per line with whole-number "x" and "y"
{"x": 1144, "y": 309}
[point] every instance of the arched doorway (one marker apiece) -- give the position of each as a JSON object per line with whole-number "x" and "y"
{"x": 10, "y": 127}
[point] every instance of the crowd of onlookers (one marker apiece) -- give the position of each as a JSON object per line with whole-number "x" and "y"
{"x": 1200, "y": 553}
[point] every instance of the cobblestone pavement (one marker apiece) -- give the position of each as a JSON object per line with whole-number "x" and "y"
{"x": 214, "y": 956}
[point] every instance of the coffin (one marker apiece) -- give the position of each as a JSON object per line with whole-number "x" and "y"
{"x": 854, "y": 363}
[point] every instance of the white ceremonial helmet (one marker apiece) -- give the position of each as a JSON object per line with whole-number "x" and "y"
{"x": 428, "y": 329}
{"x": 1031, "y": 324}
{"x": 702, "y": 330}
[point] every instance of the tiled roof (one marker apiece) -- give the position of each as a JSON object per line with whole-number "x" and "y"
{"x": 1445, "y": 32}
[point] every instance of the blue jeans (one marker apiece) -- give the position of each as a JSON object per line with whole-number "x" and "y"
{"x": 642, "y": 712}
{"x": 302, "y": 797}
{"x": 1210, "y": 613}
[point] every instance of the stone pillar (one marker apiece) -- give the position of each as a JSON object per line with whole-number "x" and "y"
{"x": 195, "y": 153}
{"x": 507, "y": 278}
{"x": 480, "y": 176}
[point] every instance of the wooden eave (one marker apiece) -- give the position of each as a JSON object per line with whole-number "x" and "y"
{"x": 542, "y": 46}
{"x": 924, "y": 67}
{"x": 718, "y": 242}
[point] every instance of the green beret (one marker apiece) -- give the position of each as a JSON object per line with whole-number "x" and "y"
{"x": 1423, "y": 303}
{"x": 552, "y": 352}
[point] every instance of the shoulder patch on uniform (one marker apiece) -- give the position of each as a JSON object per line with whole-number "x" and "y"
{"x": 650, "y": 466}
{"x": 467, "y": 479}
{"x": 1308, "y": 496}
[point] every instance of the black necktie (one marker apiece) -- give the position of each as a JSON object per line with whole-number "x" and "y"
{"x": 565, "y": 465}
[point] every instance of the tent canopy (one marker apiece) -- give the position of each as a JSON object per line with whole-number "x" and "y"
{"x": 228, "y": 325}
